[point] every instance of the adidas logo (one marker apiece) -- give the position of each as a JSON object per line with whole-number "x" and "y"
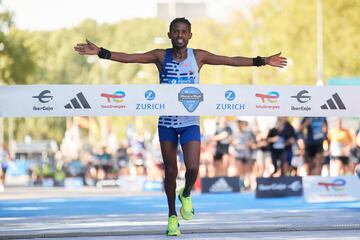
{"x": 330, "y": 103}
{"x": 78, "y": 103}
{"x": 220, "y": 186}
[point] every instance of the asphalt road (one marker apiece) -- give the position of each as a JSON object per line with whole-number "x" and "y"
{"x": 110, "y": 214}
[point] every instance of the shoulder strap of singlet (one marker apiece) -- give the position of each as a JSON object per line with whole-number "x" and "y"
{"x": 168, "y": 56}
{"x": 191, "y": 56}
{"x": 190, "y": 53}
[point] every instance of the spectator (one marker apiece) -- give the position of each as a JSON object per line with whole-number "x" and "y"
{"x": 290, "y": 143}
{"x": 91, "y": 177}
{"x": 340, "y": 145}
{"x": 122, "y": 158}
{"x": 138, "y": 155}
{"x": 4, "y": 158}
{"x": 206, "y": 159}
{"x": 314, "y": 131}
{"x": 154, "y": 163}
{"x": 280, "y": 139}
{"x": 355, "y": 155}
{"x": 104, "y": 160}
{"x": 262, "y": 153}
{"x": 242, "y": 145}
{"x": 223, "y": 138}
{"x": 59, "y": 175}
{"x": 325, "y": 171}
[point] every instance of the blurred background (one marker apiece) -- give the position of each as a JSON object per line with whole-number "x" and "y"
{"x": 320, "y": 38}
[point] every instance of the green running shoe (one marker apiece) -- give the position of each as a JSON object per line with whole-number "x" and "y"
{"x": 186, "y": 211}
{"x": 173, "y": 226}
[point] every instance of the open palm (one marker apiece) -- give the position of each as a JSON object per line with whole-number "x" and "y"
{"x": 87, "y": 48}
{"x": 277, "y": 61}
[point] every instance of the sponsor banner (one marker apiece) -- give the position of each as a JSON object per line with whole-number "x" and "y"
{"x": 153, "y": 186}
{"x": 331, "y": 189}
{"x": 279, "y": 187}
{"x": 47, "y": 182}
{"x": 73, "y": 182}
{"x": 131, "y": 183}
{"x": 220, "y": 184}
{"x": 178, "y": 99}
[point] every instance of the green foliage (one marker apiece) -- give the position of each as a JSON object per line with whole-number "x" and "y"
{"x": 342, "y": 38}
{"x": 286, "y": 29}
{"x": 16, "y": 62}
{"x": 40, "y": 128}
{"x": 290, "y": 26}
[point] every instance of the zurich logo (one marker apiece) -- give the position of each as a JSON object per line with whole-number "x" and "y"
{"x": 149, "y": 95}
{"x": 230, "y": 95}
{"x": 190, "y": 97}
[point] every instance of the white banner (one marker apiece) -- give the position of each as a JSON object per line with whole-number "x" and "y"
{"x": 331, "y": 189}
{"x": 178, "y": 99}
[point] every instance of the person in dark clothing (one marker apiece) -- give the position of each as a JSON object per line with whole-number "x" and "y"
{"x": 122, "y": 158}
{"x": 355, "y": 155}
{"x": 280, "y": 139}
{"x": 223, "y": 138}
{"x": 314, "y": 131}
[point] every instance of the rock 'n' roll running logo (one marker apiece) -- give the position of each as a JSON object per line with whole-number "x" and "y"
{"x": 190, "y": 97}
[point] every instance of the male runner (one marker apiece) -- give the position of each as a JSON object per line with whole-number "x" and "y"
{"x": 179, "y": 65}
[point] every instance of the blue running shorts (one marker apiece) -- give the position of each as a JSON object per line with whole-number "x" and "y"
{"x": 186, "y": 134}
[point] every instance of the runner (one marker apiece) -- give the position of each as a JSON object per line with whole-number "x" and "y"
{"x": 179, "y": 65}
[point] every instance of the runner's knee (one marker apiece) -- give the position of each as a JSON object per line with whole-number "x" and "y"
{"x": 171, "y": 172}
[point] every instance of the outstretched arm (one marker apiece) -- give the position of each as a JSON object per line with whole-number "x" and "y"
{"x": 205, "y": 57}
{"x": 90, "y": 48}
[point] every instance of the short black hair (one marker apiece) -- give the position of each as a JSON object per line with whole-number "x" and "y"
{"x": 180, "y": 20}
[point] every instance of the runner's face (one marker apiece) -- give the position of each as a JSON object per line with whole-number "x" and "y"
{"x": 180, "y": 35}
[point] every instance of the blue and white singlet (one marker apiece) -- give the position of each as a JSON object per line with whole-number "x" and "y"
{"x": 184, "y": 72}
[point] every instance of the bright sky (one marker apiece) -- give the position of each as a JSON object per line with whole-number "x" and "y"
{"x": 54, "y": 14}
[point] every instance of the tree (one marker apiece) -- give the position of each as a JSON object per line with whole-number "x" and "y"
{"x": 290, "y": 26}
{"x": 16, "y": 62}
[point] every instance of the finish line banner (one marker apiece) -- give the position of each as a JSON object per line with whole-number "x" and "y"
{"x": 178, "y": 99}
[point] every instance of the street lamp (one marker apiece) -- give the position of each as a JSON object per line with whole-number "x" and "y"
{"x": 104, "y": 64}
{"x": 254, "y": 49}
{"x": 1, "y": 131}
{"x": 2, "y": 46}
